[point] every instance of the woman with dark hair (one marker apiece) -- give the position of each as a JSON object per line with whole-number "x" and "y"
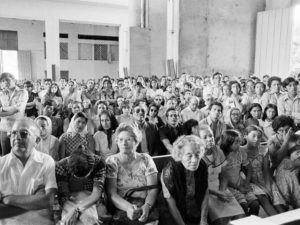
{"x": 190, "y": 127}
{"x": 75, "y": 108}
{"x": 259, "y": 89}
{"x": 80, "y": 180}
{"x": 76, "y": 135}
{"x": 235, "y": 99}
{"x": 105, "y": 136}
{"x": 99, "y": 107}
{"x": 153, "y": 115}
{"x": 253, "y": 114}
{"x": 272, "y": 96}
{"x": 53, "y": 93}
{"x": 270, "y": 113}
{"x": 107, "y": 93}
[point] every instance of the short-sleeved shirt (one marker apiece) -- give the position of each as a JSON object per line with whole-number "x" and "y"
{"x": 235, "y": 161}
{"x": 17, "y": 179}
{"x": 170, "y": 133}
{"x": 133, "y": 177}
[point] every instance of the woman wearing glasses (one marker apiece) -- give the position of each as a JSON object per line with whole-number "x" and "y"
{"x": 80, "y": 179}
{"x": 129, "y": 169}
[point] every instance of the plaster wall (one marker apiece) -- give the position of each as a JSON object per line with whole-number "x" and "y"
{"x": 218, "y": 35}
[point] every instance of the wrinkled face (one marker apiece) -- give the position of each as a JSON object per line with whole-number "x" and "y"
{"x": 259, "y": 89}
{"x": 215, "y": 112}
{"x": 191, "y": 157}
{"x": 80, "y": 124}
{"x": 101, "y": 107}
{"x": 105, "y": 122}
{"x": 193, "y": 104}
{"x": 54, "y": 89}
{"x": 235, "y": 116}
{"x": 292, "y": 88}
{"x": 208, "y": 138}
{"x": 153, "y": 111}
{"x": 254, "y": 138}
{"x": 76, "y": 108}
{"x": 48, "y": 110}
{"x": 126, "y": 142}
{"x": 139, "y": 114}
{"x": 275, "y": 86}
{"x": 256, "y": 113}
{"x": 271, "y": 113}
{"x": 22, "y": 139}
{"x": 43, "y": 125}
{"x": 172, "y": 118}
{"x": 295, "y": 155}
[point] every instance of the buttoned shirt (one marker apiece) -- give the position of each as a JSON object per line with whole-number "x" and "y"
{"x": 16, "y": 100}
{"x": 269, "y": 98}
{"x": 217, "y": 128}
{"x": 17, "y": 179}
{"x": 289, "y": 107}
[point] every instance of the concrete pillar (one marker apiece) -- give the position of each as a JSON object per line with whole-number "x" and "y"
{"x": 123, "y": 49}
{"x": 135, "y": 13}
{"x": 52, "y": 46}
{"x": 173, "y": 32}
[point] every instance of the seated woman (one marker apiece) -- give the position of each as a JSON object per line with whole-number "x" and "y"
{"x": 185, "y": 182}
{"x": 222, "y": 205}
{"x": 153, "y": 115}
{"x": 287, "y": 178}
{"x": 234, "y": 120}
{"x": 80, "y": 179}
{"x": 76, "y": 135}
{"x": 129, "y": 169}
{"x": 76, "y": 107}
{"x": 48, "y": 144}
{"x": 105, "y": 136}
{"x": 57, "y": 123}
{"x": 99, "y": 107}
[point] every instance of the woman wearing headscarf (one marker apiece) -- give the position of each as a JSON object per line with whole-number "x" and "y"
{"x": 233, "y": 120}
{"x": 48, "y": 143}
{"x": 76, "y": 135}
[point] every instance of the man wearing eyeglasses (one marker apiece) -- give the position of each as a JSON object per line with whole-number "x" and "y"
{"x": 27, "y": 178}
{"x": 150, "y": 142}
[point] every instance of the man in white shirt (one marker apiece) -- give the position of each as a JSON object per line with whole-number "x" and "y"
{"x": 27, "y": 176}
{"x": 192, "y": 111}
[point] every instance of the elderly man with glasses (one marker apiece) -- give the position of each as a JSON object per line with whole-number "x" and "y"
{"x": 27, "y": 178}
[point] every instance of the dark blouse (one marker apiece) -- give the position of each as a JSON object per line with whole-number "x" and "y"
{"x": 174, "y": 177}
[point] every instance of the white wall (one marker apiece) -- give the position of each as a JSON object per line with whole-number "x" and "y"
{"x": 30, "y": 37}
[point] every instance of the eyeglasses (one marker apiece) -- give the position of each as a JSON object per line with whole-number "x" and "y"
{"x": 23, "y": 133}
{"x": 158, "y": 99}
{"x": 153, "y": 110}
{"x": 139, "y": 110}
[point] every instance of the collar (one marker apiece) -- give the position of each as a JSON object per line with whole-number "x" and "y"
{"x": 286, "y": 97}
{"x": 209, "y": 121}
{"x": 34, "y": 156}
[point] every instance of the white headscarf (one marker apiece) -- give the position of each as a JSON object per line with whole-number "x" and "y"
{"x": 72, "y": 126}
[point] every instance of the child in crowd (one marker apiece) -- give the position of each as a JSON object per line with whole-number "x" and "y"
{"x": 261, "y": 180}
{"x": 237, "y": 161}
{"x": 270, "y": 113}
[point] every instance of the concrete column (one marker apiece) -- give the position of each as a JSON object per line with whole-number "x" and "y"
{"x": 123, "y": 49}
{"x": 52, "y": 46}
{"x": 135, "y": 13}
{"x": 173, "y": 32}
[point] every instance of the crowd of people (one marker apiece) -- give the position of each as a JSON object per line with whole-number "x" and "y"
{"x": 233, "y": 143}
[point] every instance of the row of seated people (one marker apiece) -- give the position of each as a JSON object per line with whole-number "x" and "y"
{"x": 203, "y": 181}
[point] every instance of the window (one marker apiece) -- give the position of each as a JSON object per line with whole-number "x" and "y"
{"x": 63, "y": 50}
{"x": 100, "y": 52}
{"x": 85, "y": 51}
{"x": 8, "y": 40}
{"x": 114, "y": 52}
